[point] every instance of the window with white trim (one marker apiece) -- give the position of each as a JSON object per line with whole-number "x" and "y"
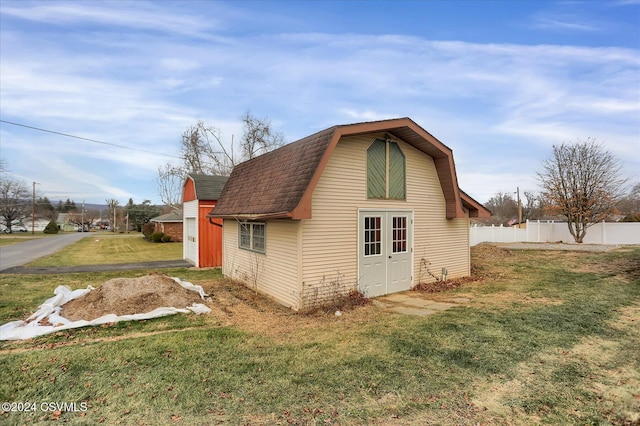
{"x": 252, "y": 236}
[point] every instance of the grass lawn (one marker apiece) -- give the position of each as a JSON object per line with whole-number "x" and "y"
{"x": 105, "y": 248}
{"x": 549, "y": 337}
{"x": 8, "y": 239}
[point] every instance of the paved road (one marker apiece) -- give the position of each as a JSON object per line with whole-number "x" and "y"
{"x": 22, "y": 253}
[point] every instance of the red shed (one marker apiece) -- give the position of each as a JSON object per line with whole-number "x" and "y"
{"x": 202, "y": 236}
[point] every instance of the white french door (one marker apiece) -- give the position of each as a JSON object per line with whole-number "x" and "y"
{"x": 385, "y": 251}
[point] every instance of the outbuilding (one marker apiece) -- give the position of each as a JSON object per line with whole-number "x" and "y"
{"x": 170, "y": 224}
{"x": 202, "y": 235}
{"x": 373, "y": 207}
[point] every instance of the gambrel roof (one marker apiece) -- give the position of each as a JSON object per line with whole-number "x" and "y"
{"x": 207, "y": 187}
{"x": 279, "y": 184}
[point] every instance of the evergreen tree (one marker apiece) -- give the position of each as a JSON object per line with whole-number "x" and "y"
{"x": 51, "y": 228}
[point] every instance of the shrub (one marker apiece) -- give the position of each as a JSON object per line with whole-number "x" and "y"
{"x": 147, "y": 229}
{"x": 166, "y": 238}
{"x": 631, "y": 218}
{"x": 51, "y": 228}
{"x": 156, "y": 237}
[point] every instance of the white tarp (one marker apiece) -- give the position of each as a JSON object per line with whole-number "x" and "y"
{"x": 49, "y": 312}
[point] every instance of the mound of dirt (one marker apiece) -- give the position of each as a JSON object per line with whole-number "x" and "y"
{"x": 127, "y": 296}
{"x": 441, "y": 286}
{"x": 489, "y": 251}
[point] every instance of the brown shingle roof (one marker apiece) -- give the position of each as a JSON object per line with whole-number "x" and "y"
{"x": 279, "y": 184}
{"x": 273, "y": 182}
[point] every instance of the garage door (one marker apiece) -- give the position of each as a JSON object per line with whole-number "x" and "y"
{"x": 191, "y": 241}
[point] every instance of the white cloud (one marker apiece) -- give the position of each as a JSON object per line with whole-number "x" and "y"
{"x": 139, "y": 15}
{"x": 143, "y": 88}
{"x": 566, "y": 25}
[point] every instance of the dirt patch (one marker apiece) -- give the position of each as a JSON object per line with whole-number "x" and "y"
{"x": 623, "y": 268}
{"x": 504, "y": 298}
{"x": 233, "y": 304}
{"x": 559, "y": 246}
{"x": 440, "y": 286}
{"x": 127, "y": 296}
{"x": 489, "y": 251}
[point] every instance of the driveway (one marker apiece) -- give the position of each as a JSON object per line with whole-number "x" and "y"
{"x": 23, "y": 253}
{"x": 13, "y": 257}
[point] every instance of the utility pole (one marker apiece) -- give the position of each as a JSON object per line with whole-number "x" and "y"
{"x": 82, "y": 215}
{"x": 33, "y": 209}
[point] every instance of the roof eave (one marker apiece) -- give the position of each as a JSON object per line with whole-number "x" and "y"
{"x": 253, "y": 217}
{"x": 476, "y": 210}
{"x": 445, "y": 166}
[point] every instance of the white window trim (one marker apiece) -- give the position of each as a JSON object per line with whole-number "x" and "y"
{"x": 251, "y": 240}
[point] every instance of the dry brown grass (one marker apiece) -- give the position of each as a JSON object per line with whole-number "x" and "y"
{"x": 233, "y": 304}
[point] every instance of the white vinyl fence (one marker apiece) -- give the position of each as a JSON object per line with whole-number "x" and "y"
{"x": 550, "y": 231}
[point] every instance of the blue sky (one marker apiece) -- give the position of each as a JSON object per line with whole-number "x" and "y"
{"x": 499, "y": 82}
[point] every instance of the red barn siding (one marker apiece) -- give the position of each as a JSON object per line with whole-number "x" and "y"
{"x": 209, "y": 237}
{"x": 188, "y": 191}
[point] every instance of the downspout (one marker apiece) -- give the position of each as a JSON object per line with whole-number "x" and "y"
{"x": 213, "y": 223}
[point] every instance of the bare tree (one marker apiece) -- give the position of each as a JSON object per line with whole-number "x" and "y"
{"x": 15, "y": 200}
{"x": 629, "y": 205}
{"x": 204, "y": 151}
{"x": 169, "y": 182}
{"x": 533, "y": 206}
{"x": 112, "y": 206}
{"x": 258, "y": 137}
{"x": 503, "y": 208}
{"x": 582, "y": 182}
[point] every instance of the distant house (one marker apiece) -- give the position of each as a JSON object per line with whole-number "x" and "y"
{"x": 170, "y": 224}
{"x": 64, "y": 224}
{"x": 202, "y": 235}
{"x": 373, "y": 207}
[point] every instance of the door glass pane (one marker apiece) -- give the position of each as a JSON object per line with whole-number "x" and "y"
{"x": 372, "y": 236}
{"x": 399, "y": 233}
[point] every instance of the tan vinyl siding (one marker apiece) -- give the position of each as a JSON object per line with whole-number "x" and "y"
{"x": 329, "y": 239}
{"x": 276, "y": 271}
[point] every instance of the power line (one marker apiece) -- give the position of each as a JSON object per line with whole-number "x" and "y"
{"x": 89, "y": 140}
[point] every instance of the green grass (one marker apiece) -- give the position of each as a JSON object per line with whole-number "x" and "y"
{"x": 548, "y": 338}
{"x": 100, "y": 249}
{"x": 9, "y": 239}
